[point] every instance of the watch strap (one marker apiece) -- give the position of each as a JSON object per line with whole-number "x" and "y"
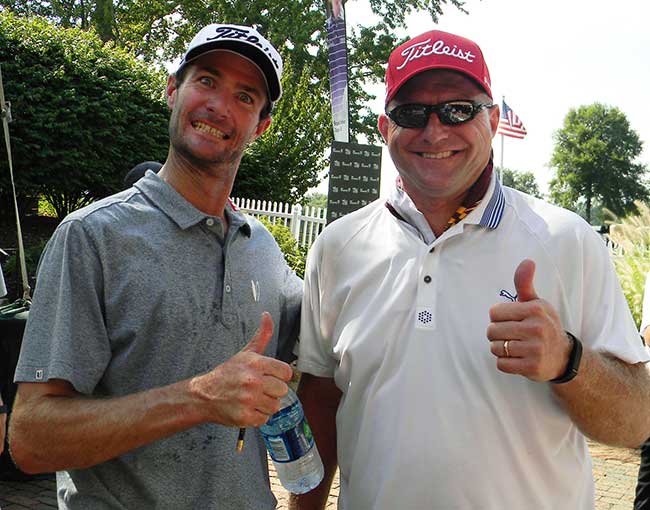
{"x": 574, "y": 361}
{"x": 4, "y": 409}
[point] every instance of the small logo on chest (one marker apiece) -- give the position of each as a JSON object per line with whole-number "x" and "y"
{"x": 504, "y": 293}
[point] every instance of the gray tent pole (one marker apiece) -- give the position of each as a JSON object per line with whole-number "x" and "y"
{"x": 6, "y": 118}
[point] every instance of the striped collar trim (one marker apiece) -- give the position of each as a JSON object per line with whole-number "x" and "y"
{"x": 495, "y": 207}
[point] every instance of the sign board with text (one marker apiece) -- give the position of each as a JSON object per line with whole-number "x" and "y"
{"x": 354, "y": 178}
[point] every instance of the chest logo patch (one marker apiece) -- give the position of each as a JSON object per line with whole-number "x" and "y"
{"x": 424, "y": 318}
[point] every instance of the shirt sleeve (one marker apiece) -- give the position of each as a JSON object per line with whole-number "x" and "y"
{"x": 290, "y": 316}
{"x": 607, "y": 324}
{"x": 315, "y": 348}
{"x": 66, "y": 337}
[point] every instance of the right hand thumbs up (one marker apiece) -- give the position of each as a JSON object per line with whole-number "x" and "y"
{"x": 245, "y": 390}
{"x": 262, "y": 336}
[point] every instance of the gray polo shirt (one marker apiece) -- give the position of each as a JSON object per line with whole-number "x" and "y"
{"x": 141, "y": 290}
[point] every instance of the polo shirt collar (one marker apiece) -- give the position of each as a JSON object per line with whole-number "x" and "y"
{"x": 179, "y": 210}
{"x": 488, "y": 214}
{"x": 490, "y": 211}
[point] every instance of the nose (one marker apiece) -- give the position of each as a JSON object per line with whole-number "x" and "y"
{"x": 435, "y": 130}
{"x": 218, "y": 103}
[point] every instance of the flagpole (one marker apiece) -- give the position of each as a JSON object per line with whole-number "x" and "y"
{"x": 503, "y": 100}
{"x": 501, "y": 166}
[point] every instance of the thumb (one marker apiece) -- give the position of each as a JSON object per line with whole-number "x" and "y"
{"x": 524, "y": 276}
{"x": 262, "y": 336}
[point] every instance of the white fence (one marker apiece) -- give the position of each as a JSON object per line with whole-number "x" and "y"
{"x": 305, "y": 223}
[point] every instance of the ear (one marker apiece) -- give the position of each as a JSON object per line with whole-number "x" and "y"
{"x": 262, "y": 126}
{"x": 171, "y": 91}
{"x": 383, "y": 123}
{"x": 495, "y": 114}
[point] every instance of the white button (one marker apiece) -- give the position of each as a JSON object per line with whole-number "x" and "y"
{"x": 209, "y": 222}
{"x": 227, "y": 288}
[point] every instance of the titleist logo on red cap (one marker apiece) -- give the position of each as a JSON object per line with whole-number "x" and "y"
{"x": 431, "y": 50}
{"x": 424, "y": 49}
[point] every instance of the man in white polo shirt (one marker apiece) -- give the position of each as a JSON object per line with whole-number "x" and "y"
{"x": 460, "y": 340}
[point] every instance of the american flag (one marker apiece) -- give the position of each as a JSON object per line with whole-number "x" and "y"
{"x": 509, "y": 123}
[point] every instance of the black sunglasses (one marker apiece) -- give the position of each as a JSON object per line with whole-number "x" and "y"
{"x": 455, "y": 112}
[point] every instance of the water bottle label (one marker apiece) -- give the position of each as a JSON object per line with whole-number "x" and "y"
{"x": 291, "y": 444}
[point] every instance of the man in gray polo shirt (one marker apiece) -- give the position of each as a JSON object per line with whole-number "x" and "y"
{"x": 159, "y": 312}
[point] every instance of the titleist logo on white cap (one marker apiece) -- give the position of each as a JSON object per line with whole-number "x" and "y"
{"x": 424, "y": 49}
{"x": 244, "y": 34}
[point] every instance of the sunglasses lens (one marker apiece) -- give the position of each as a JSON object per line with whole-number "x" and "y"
{"x": 450, "y": 113}
{"x": 457, "y": 112}
{"x": 411, "y": 115}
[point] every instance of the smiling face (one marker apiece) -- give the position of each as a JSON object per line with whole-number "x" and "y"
{"x": 440, "y": 162}
{"x": 216, "y": 111}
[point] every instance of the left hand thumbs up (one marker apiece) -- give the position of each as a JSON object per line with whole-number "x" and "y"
{"x": 527, "y": 336}
{"x": 524, "y": 276}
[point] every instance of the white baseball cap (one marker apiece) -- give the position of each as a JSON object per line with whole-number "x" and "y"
{"x": 245, "y": 41}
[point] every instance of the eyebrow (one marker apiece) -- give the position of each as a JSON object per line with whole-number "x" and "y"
{"x": 244, "y": 86}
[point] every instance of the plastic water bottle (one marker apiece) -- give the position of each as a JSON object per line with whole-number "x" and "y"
{"x": 291, "y": 445}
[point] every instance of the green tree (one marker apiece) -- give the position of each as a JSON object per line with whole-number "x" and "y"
{"x": 285, "y": 161}
{"x": 158, "y": 31}
{"x": 315, "y": 199}
{"x": 84, "y": 112}
{"x": 522, "y": 181}
{"x": 594, "y": 159}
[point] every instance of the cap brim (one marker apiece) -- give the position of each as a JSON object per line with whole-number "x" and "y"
{"x": 248, "y": 51}
{"x": 443, "y": 67}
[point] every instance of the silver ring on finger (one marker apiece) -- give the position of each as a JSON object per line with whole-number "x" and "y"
{"x": 505, "y": 348}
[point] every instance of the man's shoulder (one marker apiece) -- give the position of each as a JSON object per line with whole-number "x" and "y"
{"x": 541, "y": 218}
{"x": 345, "y": 228}
{"x": 101, "y": 209}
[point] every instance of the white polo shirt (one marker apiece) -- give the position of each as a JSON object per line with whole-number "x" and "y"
{"x": 426, "y": 420}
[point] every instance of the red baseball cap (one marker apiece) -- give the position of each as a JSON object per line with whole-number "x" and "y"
{"x": 435, "y": 50}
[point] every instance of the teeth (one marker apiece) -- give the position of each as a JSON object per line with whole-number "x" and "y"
{"x": 437, "y": 155}
{"x": 200, "y": 126}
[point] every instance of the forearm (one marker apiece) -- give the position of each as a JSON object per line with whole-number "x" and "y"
{"x": 320, "y": 399}
{"x": 609, "y": 400}
{"x": 55, "y": 432}
{"x": 3, "y": 425}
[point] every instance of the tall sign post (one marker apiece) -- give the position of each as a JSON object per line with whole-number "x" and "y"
{"x": 355, "y": 169}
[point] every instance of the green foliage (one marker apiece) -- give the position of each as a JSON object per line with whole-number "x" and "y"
{"x": 158, "y": 31}
{"x": 11, "y": 268}
{"x": 594, "y": 160}
{"x": 315, "y": 199}
{"x": 84, "y": 112}
{"x": 285, "y": 161}
{"x": 45, "y": 208}
{"x": 295, "y": 255}
{"x": 521, "y": 181}
{"x": 632, "y": 260}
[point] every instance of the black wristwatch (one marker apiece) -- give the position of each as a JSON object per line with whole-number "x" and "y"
{"x": 574, "y": 361}
{"x": 4, "y": 409}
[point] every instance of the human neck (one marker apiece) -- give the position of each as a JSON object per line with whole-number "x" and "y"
{"x": 436, "y": 210}
{"x": 206, "y": 189}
